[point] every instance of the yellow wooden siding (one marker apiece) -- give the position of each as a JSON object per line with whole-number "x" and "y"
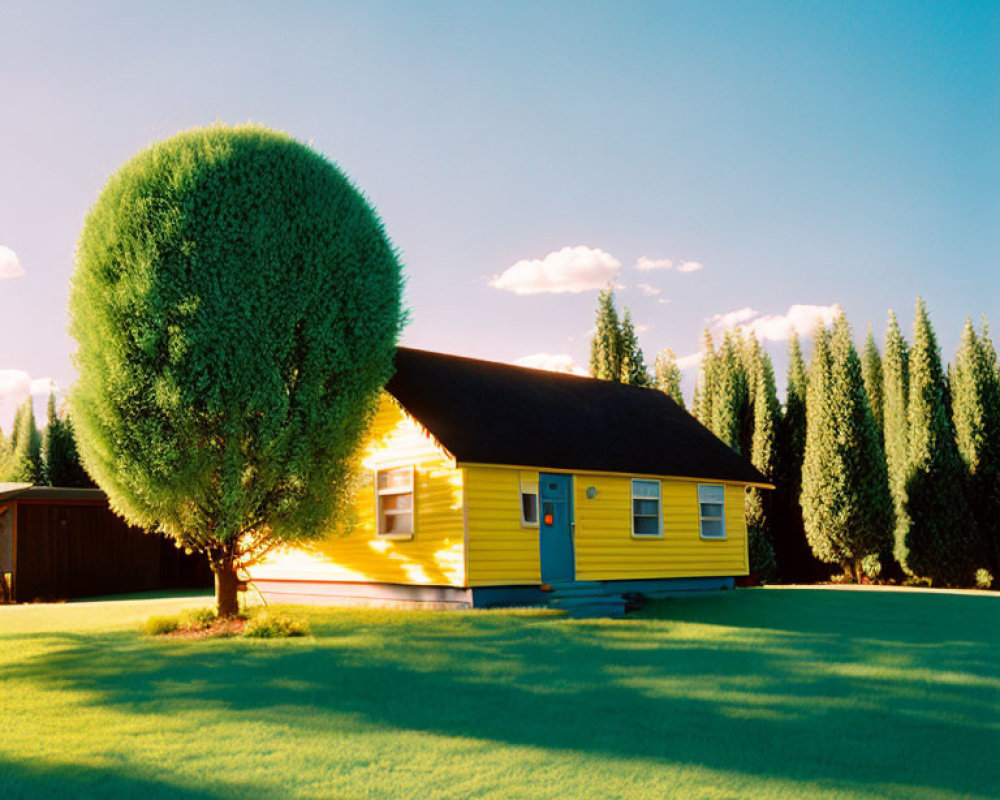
{"x": 501, "y": 550}
{"x": 434, "y": 556}
{"x": 606, "y": 549}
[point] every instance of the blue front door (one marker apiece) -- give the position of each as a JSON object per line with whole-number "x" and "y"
{"x": 555, "y": 535}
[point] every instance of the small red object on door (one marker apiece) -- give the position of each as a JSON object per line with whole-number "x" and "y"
{"x": 548, "y": 519}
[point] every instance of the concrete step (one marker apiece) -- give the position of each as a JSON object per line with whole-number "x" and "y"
{"x": 578, "y": 589}
{"x": 581, "y": 593}
{"x": 590, "y": 607}
{"x": 593, "y": 609}
{"x": 598, "y": 612}
{"x": 557, "y": 585}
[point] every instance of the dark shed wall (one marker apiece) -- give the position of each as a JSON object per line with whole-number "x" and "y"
{"x": 66, "y": 550}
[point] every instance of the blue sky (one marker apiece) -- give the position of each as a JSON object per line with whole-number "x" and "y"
{"x": 800, "y": 153}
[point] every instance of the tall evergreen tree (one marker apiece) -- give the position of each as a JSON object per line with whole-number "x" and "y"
{"x": 795, "y": 558}
{"x": 730, "y": 395}
{"x": 976, "y": 410}
{"x": 871, "y": 371}
{"x": 606, "y": 346}
{"x": 5, "y": 453}
{"x": 896, "y": 425}
{"x": 60, "y": 460}
{"x": 763, "y": 450}
{"x": 755, "y": 364}
{"x": 845, "y": 490}
{"x": 633, "y": 365}
{"x": 24, "y": 463}
{"x": 668, "y": 376}
{"x": 701, "y": 404}
{"x": 941, "y": 543}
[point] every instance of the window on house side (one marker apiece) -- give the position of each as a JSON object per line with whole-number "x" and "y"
{"x": 529, "y": 501}
{"x": 712, "y": 511}
{"x": 394, "y": 489}
{"x": 647, "y": 517}
{"x": 529, "y": 508}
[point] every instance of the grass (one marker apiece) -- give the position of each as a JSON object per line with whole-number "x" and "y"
{"x": 774, "y": 693}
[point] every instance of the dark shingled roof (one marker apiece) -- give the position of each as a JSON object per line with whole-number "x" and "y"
{"x": 484, "y": 412}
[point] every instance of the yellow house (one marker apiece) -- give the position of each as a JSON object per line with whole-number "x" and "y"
{"x": 489, "y": 484}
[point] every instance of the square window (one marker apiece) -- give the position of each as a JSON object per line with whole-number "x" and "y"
{"x": 647, "y": 513}
{"x": 712, "y": 511}
{"x": 394, "y": 501}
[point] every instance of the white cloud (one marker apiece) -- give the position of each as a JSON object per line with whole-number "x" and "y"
{"x": 15, "y": 386}
{"x": 642, "y": 328}
{"x": 733, "y": 319}
{"x": 663, "y": 300}
{"x": 777, "y": 327}
{"x": 645, "y": 263}
{"x": 690, "y": 266}
{"x": 551, "y": 362}
{"x": 646, "y": 289}
{"x": 689, "y": 361}
{"x": 10, "y": 265}
{"x": 572, "y": 269}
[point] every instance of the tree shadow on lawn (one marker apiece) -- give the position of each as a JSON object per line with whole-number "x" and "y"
{"x": 36, "y": 779}
{"x": 835, "y": 687}
{"x": 902, "y": 617}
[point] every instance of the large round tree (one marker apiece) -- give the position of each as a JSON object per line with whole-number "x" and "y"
{"x": 236, "y": 304}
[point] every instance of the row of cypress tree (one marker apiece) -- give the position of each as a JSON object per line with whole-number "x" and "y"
{"x": 892, "y": 462}
{"x": 48, "y": 456}
{"x": 885, "y": 464}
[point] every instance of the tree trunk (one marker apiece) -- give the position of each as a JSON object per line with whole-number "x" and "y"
{"x": 227, "y": 604}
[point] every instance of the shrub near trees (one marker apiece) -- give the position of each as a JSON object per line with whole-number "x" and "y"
{"x": 236, "y": 305}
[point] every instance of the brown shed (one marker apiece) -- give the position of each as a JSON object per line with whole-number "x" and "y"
{"x": 60, "y": 543}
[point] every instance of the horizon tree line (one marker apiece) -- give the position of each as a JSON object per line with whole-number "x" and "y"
{"x": 886, "y": 464}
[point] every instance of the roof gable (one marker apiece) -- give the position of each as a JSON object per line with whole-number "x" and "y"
{"x": 484, "y": 412}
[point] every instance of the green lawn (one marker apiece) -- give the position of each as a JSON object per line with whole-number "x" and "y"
{"x": 766, "y": 693}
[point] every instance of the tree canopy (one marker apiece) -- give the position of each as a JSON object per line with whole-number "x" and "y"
{"x": 236, "y": 305}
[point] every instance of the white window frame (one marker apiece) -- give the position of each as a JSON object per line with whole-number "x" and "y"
{"x": 526, "y": 487}
{"x": 721, "y": 519}
{"x": 380, "y": 493}
{"x": 659, "y": 508}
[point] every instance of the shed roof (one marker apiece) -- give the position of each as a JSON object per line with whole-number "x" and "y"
{"x": 486, "y": 412}
{"x": 27, "y": 491}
